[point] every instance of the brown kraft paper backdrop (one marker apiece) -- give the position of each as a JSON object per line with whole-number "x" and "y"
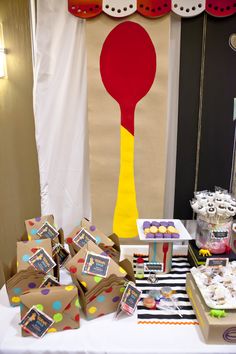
{"x": 104, "y": 127}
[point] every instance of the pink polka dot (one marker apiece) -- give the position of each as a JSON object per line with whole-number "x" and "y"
{"x": 77, "y": 317}
{"x": 73, "y": 270}
{"x": 109, "y": 290}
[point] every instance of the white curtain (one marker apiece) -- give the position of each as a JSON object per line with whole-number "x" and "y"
{"x": 60, "y": 106}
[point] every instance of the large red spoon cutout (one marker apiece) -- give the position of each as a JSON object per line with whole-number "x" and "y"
{"x": 128, "y": 67}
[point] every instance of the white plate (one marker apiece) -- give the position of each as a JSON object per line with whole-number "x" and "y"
{"x": 183, "y": 233}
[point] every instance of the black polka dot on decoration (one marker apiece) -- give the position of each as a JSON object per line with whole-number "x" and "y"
{"x": 235, "y": 4}
{"x": 107, "y": 6}
{"x": 187, "y": 10}
{"x": 147, "y": 8}
{"x": 193, "y": 8}
{"x": 159, "y": 8}
{"x": 165, "y": 4}
{"x": 141, "y": 5}
{"x": 125, "y": 8}
{"x": 216, "y": 8}
{"x": 222, "y": 9}
{"x": 210, "y": 5}
{"x": 96, "y": 6}
{"x": 153, "y": 10}
{"x": 199, "y": 5}
{"x": 181, "y": 9}
{"x": 112, "y": 9}
{"x": 228, "y": 8}
{"x": 90, "y": 9}
{"x": 131, "y": 6}
{"x": 175, "y": 5}
{"x": 119, "y": 11}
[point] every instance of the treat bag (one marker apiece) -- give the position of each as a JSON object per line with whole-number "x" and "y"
{"x": 61, "y": 304}
{"x": 22, "y": 281}
{"x": 76, "y": 264}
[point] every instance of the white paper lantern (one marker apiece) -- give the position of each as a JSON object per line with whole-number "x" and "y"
{"x": 188, "y": 8}
{"x": 119, "y": 8}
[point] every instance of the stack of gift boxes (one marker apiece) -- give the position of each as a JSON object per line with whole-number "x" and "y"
{"x": 91, "y": 258}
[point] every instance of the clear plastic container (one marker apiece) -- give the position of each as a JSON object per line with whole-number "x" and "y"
{"x": 140, "y": 268}
{"x": 214, "y": 235}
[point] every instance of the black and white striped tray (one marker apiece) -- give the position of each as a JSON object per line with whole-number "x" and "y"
{"x": 176, "y": 279}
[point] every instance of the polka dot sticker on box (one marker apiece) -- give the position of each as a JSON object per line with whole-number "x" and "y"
{"x": 15, "y": 299}
{"x": 69, "y": 287}
{"x": 57, "y": 305}
{"x": 101, "y": 298}
{"x": 77, "y": 304}
{"x": 17, "y": 291}
{"x": 97, "y": 279}
{"x": 51, "y": 330}
{"x": 25, "y": 258}
{"x": 58, "y": 317}
{"x": 39, "y": 307}
{"x": 34, "y": 232}
{"x": 92, "y": 310}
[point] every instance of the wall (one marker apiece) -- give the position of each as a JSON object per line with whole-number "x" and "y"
{"x": 19, "y": 179}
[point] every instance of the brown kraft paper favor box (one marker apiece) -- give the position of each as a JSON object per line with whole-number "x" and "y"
{"x": 110, "y": 244}
{"x": 60, "y": 303}
{"x": 26, "y": 249}
{"x": 33, "y": 225}
{"x": 215, "y": 330}
{"x": 75, "y": 266}
{"x": 22, "y": 281}
{"x": 105, "y": 297}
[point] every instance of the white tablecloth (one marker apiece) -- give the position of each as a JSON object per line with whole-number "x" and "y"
{"x": 104, "y": 335}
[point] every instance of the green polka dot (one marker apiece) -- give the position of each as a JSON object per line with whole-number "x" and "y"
{"x": 58, "y": 317}
{"x": 97, "y": 279}
{"x": 77, "y": 304}
{"x": 39, "y": 307}
{"x": 122, "y": 290}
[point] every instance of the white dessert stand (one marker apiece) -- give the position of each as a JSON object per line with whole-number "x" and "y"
{"x": 160, "y": 250}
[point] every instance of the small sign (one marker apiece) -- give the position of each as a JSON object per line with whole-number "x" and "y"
{"x": 130, "y": 299}
{"x": 36, "y": 322}
{"x": 42, "y": 261}
{"x": 96, "y": 264}
{"x": 216, "y": 262}
{"x": 153, "y": 267}
{"x": 61, "y": 252}
{"x": 47, "y": 231}
{"x": 49, "y": 281}
{"x": 82, "y": 237}
{"x": 219, "y": 234}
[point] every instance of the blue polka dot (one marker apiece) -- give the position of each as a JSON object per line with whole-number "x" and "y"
{"x": 34, "y": 231}
{"x": 25, "y": 258}
{"x": 38, "y": 241}
{"x": 101, "y": 298}
{"x": 17, "y": 291}
{"x": 57, "y": 305}
{"x": 21, "y": 306}
{"x": 98, "y": 239}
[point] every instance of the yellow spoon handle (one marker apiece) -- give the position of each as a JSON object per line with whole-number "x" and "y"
{"x": 126, "y": 212}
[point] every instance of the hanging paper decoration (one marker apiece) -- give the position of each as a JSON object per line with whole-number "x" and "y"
{"x": 153, "y": 8}
{"x": 128, "y": 68}
{"x": 221, "y": 8}
{"x": 85, "y": 8}
{"x": 119, "y": 8}
{"x": 188, "y": 8}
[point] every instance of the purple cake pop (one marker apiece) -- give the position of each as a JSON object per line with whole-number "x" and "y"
{"x": 166, "y": 236}
{"x": 155, "y": 223}
{"x": 171, "y": 223}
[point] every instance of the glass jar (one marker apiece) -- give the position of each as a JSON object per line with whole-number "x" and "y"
{"x": 140, "y": 268}
{"x": 214, "y": 235}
